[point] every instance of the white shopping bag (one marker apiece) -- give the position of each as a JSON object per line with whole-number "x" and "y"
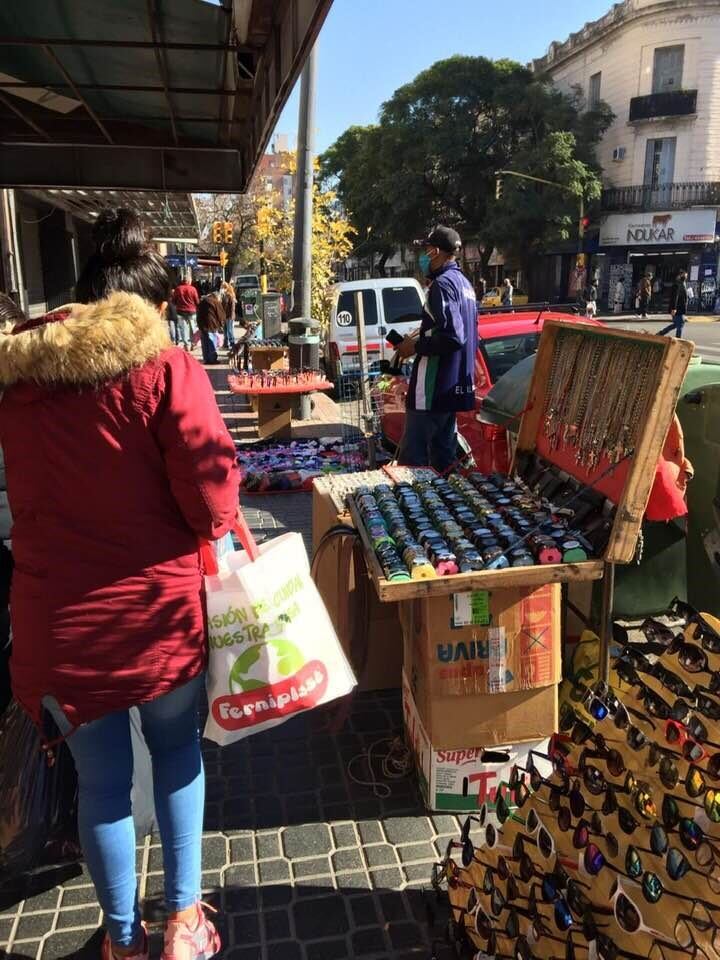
{"x": 273, "y": 651}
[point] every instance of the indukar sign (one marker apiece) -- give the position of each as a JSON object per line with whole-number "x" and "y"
{"x": 658, "y": 229}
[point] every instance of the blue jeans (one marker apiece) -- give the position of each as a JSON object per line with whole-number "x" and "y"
{"x": 102, "y": 751}
{"x": 229, "y": 333}
{"x": 429, "y": 439}
{"x": 208, "y": 343}
{"x": 180, "y": 331}
{"x": 678, "y": 322}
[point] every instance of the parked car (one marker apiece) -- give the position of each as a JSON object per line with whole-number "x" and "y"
{"x": 504, "y": 340}
{"x": 388, "y": 304}
{"x": 493, "y": 295}
{"x": 246, "y": 281}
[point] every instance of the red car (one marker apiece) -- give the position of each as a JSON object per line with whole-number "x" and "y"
{"x": 505, "y": 338}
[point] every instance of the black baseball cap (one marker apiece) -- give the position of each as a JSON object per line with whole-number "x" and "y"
{"x": 444, "y": 238}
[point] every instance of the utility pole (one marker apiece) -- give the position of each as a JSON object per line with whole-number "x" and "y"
{"x": 302, "y": 242}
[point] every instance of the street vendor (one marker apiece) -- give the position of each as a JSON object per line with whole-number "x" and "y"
{"x": 443, "y": 375}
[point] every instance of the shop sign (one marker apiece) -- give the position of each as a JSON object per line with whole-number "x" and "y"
{"x": 660, "y": 229}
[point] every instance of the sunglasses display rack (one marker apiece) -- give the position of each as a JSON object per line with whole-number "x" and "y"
{"x": 608, "y": 846}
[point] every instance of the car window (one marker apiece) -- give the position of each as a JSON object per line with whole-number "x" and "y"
{"x": 401, "y": 305}
{"x": 346, "y": 309}
{"x": 502, "y": 353}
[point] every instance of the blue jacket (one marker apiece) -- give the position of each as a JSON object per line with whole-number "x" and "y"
{"x": 443, "y": 374}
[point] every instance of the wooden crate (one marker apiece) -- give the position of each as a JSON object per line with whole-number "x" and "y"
{"x": 637, "y": 473}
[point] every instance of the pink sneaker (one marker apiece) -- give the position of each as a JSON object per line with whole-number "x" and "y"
{"x": 184, "y": 943}
{"x": 106, "y": 952}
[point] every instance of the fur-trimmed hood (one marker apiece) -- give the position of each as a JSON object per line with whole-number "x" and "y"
{"x": 84, "y": 344}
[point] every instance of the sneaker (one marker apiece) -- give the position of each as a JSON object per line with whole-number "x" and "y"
{"x": 106, "y": 952}
{"x": 184, "y": 943}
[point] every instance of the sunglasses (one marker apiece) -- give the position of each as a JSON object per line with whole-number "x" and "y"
{"x": 572, "y": 894}
{"x": 694, "y": 659}
{"x": 701, "y": 701}
{"x": 672, "y": 816}
{"x": 579, "y": 729}
{"x": 609, "y": 755}
{"x": 537, "y": 781}
{"x": 627, "y": 914}
{"x": 585, "y": 830}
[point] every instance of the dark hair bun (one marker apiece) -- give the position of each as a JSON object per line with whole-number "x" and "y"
{"x": 119, "y": 236}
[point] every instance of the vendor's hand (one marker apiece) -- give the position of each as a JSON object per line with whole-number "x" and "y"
{"x": 406, "y": 349}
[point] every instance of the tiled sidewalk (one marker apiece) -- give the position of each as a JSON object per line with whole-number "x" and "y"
{"x": 302, "y": 863}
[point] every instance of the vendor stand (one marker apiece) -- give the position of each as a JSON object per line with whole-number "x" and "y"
{"x": 481, "y": 667}
{"x": 276, "y": 393}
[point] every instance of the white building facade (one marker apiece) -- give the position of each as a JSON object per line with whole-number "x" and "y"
{"x": 656, "y": 63}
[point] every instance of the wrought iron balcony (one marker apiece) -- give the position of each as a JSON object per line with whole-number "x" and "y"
{"x": 671, "y": 103}
{"x": 664, "y": 196}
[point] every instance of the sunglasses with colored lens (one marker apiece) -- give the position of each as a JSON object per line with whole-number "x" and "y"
{"x": 585, "y": 831}
{"x": 678, "y": 866}
{"x": 593, "y": 861}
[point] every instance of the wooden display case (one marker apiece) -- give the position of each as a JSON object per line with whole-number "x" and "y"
{"x": 628, "y": 485}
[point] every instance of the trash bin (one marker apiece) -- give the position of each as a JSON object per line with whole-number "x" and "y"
{"x": 304, "y": 342}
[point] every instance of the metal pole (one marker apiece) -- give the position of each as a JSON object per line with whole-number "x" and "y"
{"x": 365, "y": 401}
{"x": 606, "y": 616}
{"x": 302, "y": 243}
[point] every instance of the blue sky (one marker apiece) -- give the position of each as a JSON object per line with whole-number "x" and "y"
{"x": 368, "y": 48}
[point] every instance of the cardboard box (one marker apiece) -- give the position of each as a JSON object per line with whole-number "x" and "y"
{"x": 489, "y": 641}
{"x": 460, "y": 779}
{"x": 472, "y": 687}
{"x": 385, "y": 647}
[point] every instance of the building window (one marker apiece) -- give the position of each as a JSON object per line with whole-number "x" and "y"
{"x": 667, "y": 69}
{"x": 594, "y": 91}
{"x": 660, "y": 162}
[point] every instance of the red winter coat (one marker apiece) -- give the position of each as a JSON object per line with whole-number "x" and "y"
{"x": 117, "y": 461}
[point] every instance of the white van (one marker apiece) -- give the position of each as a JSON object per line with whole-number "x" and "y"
{"x": 388, "y": 304}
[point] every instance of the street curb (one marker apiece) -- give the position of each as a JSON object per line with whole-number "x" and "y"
{"x": 653, "y": 318}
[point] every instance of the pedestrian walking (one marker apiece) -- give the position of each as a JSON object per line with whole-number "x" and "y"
{"x": 185, "y": 297}
{"x": 229, "y": 302}
{"x": 443, "y": 375}
{"x": 619, "y": 296}
{"x": 211, "y": 322}
{"x": 678, "y": 306}
{"x": 644, "y": 294}
{"x": 176, "y": 328}
{"x": 506, "y": 294}
{"x": 136, "y": 465}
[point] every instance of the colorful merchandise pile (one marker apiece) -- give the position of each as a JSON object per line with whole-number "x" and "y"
{"x": 608, "y": 846}
{"x": 444, "y": 526}
{"x": 291, "y": 466}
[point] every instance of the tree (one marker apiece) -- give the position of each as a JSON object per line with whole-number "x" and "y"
{"x": 440, "y": 139}
{"x": 264, "y": 230}
{"x": 271, "y": 239}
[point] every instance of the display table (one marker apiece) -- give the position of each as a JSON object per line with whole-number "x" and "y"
{"x": 275, "y": 402}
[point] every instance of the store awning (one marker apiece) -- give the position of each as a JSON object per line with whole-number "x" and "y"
{"x": 168, "y": 217}
{"x": 166, "y": 95}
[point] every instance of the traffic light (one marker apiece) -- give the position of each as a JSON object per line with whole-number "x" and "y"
{"x": 583, "y": 225}
{"x": 217, "y": 232}
{"x": 223, "y": 258}
{"x": 499, "y": 188}
{"x": 228, "y": 232}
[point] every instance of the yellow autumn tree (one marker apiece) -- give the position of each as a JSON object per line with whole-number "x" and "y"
{"x": 271, "y": 240}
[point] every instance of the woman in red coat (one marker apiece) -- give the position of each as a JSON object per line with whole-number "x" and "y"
{"x": 117, "y": 462}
